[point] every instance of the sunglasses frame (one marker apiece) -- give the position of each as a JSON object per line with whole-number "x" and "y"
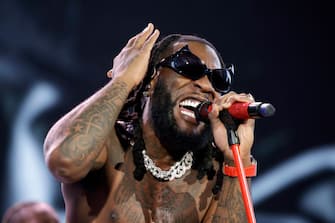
{"x": 225, "y": 73}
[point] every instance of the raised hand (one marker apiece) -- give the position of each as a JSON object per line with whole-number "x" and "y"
{"x": 132, "y": 62}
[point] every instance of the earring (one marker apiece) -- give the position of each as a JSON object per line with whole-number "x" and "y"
{"x": 146, "y": 92}
{"x": 154, "y": 73}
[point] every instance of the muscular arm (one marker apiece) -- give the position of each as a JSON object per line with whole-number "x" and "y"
{"x": 228, "y": 206}
{"x": 75, "y": 144}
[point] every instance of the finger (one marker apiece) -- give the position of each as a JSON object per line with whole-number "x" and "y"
{"x": 151, "y": 40}
{"x": 131, "y": 41}
{"x": 142, "y": 37}
{"x": 251, "y": 97}
{"x": 214, "y": 113}
{"x": 232, "y": 98}
{"x": 247, "y": 95}
{"x": 224, "y": 101}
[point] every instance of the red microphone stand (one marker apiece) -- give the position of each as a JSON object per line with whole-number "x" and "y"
{"x": 234, "y": 144}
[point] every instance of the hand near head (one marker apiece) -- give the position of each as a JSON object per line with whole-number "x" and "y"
{"x": 245, "y": 130}
{"x": 132, "y": 62}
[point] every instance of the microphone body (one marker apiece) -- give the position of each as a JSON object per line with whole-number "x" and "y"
{"x": 238, "y": 110}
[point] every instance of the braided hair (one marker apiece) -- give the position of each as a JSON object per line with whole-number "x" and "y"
{"x": 128, "y": 126}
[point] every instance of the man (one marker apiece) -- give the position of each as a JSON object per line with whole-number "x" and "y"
{"x": 30, "y": 212}
{"x": 135, "y": 152}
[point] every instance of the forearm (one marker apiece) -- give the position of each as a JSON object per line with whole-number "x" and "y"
{"x": 74, "y": 142}
{"x": 230, "y": 206}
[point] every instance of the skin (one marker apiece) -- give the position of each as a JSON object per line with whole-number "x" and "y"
{"x": 30, "y": 212}
{"x": 84, "y": 153}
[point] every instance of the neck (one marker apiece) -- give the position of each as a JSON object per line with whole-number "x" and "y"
{"x": 154, "y": 149}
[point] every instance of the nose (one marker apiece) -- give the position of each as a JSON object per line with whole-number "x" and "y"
{"x": 204, "y": 85}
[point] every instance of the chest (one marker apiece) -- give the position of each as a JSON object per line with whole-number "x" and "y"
{"x": 181, "y": 200}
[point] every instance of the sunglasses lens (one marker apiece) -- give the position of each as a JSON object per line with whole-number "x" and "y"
{"x": 221, "y": 80}
{"x": 189, "y": 66}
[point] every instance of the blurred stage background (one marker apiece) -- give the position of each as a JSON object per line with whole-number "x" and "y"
{"x": 54, "y": 54}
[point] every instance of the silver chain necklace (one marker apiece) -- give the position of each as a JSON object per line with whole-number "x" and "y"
{"x": 175, "y": 172}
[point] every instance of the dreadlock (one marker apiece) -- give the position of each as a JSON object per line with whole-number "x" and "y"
{"x": 128, "y": 125}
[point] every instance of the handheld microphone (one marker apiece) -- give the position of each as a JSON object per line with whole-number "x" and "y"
{"x": 238, "y": 110}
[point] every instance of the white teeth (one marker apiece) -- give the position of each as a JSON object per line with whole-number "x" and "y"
{"x": 188, "y": 113}
{"x": 190, "y": 102}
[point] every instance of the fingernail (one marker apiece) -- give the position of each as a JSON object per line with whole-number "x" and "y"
{"x": 147, "y": 27}
{"x": 250, "y": 95}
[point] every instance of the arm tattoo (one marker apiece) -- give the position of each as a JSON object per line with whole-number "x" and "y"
{"x": 90, "y": 129}
{"x": 230, "y": 206}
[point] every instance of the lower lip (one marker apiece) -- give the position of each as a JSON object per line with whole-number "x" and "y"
{"x": 186, "y": 117}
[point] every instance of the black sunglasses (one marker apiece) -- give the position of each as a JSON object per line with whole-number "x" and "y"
{"x": 185, "y": 63}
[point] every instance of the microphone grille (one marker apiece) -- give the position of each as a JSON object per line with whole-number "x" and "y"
{"x": 267, "y": 110}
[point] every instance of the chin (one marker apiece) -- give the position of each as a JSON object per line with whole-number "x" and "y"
{"x": 192, "y": 131}
{"x": 194, "y": 139}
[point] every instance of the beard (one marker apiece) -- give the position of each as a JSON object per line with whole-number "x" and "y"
{"x": 176, "y": 141}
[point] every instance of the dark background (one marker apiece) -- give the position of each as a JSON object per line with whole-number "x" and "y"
{"x": 54, "y": 54}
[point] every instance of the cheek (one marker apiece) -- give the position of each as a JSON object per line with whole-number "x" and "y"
{"x": 171, "y": 83}
{"x": 179, "y": 85}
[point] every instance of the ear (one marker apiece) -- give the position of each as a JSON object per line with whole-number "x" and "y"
{"x": 150, "y": 87}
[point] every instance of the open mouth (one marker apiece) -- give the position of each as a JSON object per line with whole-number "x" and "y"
{"x": 188, "y": 109}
